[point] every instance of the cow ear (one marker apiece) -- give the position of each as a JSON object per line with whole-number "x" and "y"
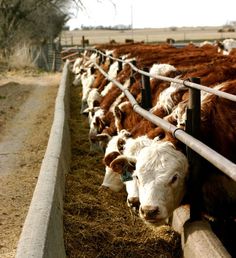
{"x": 103, "y": 137}
{"x": 122, "y": 164}
{"x": 87, "y": 110}
{"x": 110, "y": 157}
{"x": 90, "y": 110}
{"x": 96, "y": 103}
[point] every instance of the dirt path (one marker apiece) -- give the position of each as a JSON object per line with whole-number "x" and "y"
{"x": 26, "y": 113}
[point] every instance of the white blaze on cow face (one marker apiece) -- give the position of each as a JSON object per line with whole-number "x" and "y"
{"x": 131, "y": 149}
{"x": 106, "y": 89}
{"x": 161, "y": 172}
{"x": 120, "y": 97}
{"x": 166, "y": 100}
{"x": 77, "y": 65}
{"x": 228, "y": 45}
{"x": 132, "y": 194}
{"x": 179, "y": 115}
{"x": 113, "y": 70}
{"x": 93, "y": 101}
{"x": 94, "y": 128}
{"x": 112, "y": 180}
{"x": 87, "y": 82}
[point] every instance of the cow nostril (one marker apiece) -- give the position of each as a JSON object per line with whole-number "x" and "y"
{"x": 149, "y": 212}
{"x": 93, "y": 138}
{"x": 133, "y": 202}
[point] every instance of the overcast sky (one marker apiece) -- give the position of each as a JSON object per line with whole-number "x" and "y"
{"x": 155, "y": 13}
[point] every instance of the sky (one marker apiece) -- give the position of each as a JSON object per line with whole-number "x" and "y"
{"x": 154, "y": 13}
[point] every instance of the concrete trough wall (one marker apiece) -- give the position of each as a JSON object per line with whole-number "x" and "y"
{"x": 42, "y": 234}
{"x": 197, "y": 238}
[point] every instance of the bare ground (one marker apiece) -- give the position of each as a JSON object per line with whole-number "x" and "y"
{"x": 26, "y": 113}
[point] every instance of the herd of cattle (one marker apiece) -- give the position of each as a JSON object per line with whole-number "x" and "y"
{"x": 147, "y": 160}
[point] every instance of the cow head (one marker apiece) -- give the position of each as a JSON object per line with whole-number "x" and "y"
{"x": 161, "y": 172}
{"x": 124, "y": 167}
{"x": 179, "y": 115}
{"x": 112, "y": 180}
{"x": 96, "y": 127}
{"x": 114, "y": 146}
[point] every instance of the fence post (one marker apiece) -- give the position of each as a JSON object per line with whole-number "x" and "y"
{"x": 119, "y": 66}
{"x": 83, "y": 42}
{"x": 133, "y": 62}
{"x": 102, "y": 58}
{"x": 193, "y": 128}
{"x": 132, "y": 80}
{"x": 146, "y": 91}
{"x": 111, "y": 60}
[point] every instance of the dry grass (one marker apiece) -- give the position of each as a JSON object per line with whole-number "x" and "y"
{"x": 97, "y": 222}
{"x": 21, "y": 58}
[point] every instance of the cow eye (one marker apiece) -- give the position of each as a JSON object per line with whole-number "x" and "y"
{"x": 174, "y": 179}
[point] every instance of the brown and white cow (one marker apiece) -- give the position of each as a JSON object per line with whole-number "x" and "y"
{"x": 162, "y": 170}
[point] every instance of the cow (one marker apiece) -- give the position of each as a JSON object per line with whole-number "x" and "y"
{"x": 119, "y": 146}
{"x": 226, "y": 46}
{"x": 87, "y": 80}
{"x": 77, "y": 65}
{"x": 162, "y": 169}
{"x": 161, "y": 172}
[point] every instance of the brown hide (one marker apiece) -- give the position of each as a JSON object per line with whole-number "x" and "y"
{"x": 219, "y": 122}
{"x": 126, "y": 116}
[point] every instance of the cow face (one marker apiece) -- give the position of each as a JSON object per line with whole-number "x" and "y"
{"x": 132, "y": 195}
{"x": 112, "y": 180}
{"x": 161, "y": 173}
{"x": 178, "y": 116}
{"x": 124, "y": 167}
{"x": 96, "y": 127}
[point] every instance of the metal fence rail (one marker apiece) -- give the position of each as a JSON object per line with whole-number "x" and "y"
{"x": 163, "y": 78}
{"x": 222, "y": 163}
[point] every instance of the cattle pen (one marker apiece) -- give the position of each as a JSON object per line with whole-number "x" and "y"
{"x": 98, "y": 241}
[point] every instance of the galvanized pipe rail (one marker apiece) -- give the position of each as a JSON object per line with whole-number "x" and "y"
{"x": 179, "y": 81}
{"x": 225, "y": 165}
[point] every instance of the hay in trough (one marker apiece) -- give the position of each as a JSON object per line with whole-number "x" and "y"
{"x": 97, "y": 222}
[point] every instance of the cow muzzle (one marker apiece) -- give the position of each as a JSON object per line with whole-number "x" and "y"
{"x": 133, "y": 203}
{"x": 151, "y": 214}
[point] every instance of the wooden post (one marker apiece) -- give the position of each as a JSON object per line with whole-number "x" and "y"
{"x": 119, "y": 66}
{"x": 83, "y": 42}
{"x": 146, "y": 91}
{"x": 193, "y": 128}
{"x": 132, "y": 80}
{"x": 111, "y": 60}
{"x": 133, "y": 62}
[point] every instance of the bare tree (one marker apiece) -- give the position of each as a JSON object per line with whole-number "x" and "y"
{"x": 33, "y": 21}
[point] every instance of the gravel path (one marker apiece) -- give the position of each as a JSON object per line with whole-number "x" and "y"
{"x": 26, "y": 113}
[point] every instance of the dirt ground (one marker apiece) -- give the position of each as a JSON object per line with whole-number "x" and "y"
{"x": 26, "y": 111}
